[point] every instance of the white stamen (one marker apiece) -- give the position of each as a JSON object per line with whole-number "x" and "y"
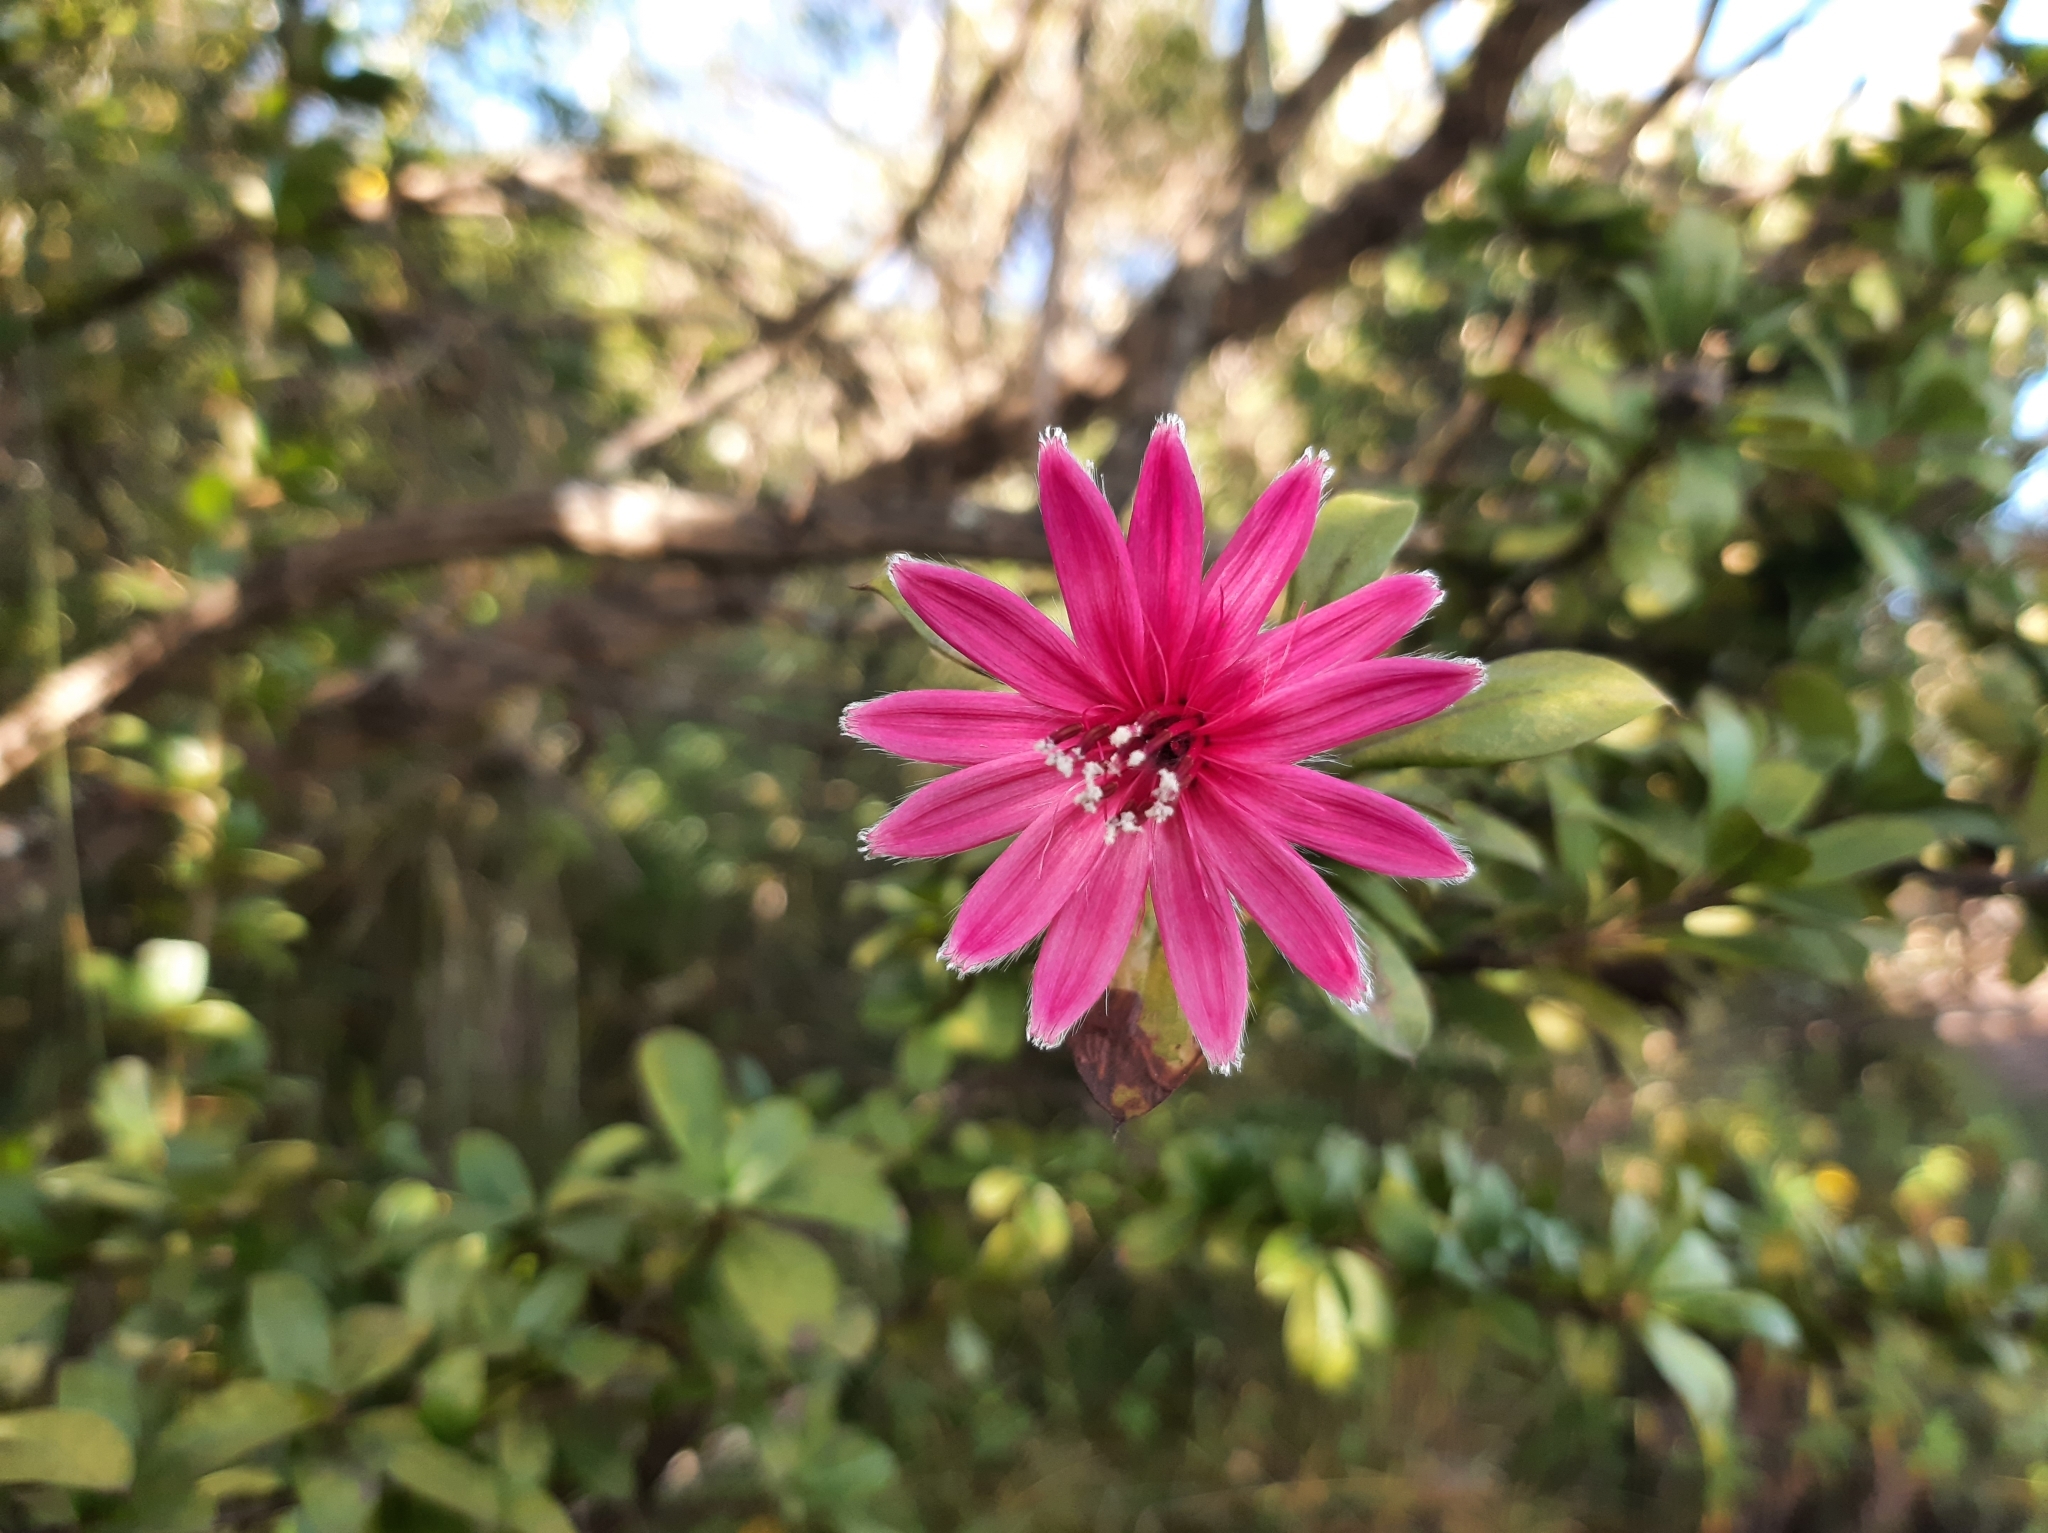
{"x": 1136, "y": 758}
{"x": 1125, "y": 824}
{"x": 1061, "y": 761}
{"x": 1122, "y": 735}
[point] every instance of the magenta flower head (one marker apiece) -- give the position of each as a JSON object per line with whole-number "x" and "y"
{"x": 1157, "y": 749}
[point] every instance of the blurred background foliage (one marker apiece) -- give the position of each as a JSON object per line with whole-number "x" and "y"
{"x": 460, "y": 1074}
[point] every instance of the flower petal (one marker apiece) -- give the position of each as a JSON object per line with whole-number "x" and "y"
{"x": 1094, "y": 569}
{"x": 999, "y": 631}
{"x": 1324, "y": 710}
{"x": 1249, "y": 574}
{"x": 1086, "y": 940}
{"x": 1204, "y": 945}
{"x": 952, "y": 728}
{"x": 1344, "y": 820}
{"x": 1365, "y": 624}
{"x": 967, "y": 808}
{"x": 1023, "y": 889}
{"x": 1306, "y": 921}
{"x": 1166, "y": 538}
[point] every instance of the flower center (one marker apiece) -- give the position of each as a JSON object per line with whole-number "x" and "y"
{"x": 1132, "y": 773}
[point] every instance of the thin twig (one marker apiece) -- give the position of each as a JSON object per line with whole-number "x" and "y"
{"x": 1059, "y": 218}
{"x": 778, "y": 335}
{"x": 47, "y": 653}
{"x": 1688, "y": 74}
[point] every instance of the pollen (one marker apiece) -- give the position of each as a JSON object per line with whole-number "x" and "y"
{"x": 1132, "y": 773}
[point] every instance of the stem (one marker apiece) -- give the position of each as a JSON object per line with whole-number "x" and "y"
{"x": 46, "y": 646}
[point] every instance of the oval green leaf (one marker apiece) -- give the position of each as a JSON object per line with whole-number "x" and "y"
{"x": 1356, "y": 537}
{"x": 779, "y": 1282}
{"x": 292, "y": 1330}
{"x": 1531, "y": 705}
{"x": 79, "y": 1450}
{"x": 680, "y": 1074}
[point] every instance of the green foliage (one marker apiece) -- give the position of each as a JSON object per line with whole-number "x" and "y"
{"x": 1624, "y": 1203}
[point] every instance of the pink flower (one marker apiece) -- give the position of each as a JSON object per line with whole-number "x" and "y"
{"x": 1156, "y": 749}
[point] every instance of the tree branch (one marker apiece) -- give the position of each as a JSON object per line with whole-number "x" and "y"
{"x": 917, "y": 500}
{"x": 777, "y": 335}
{"x": 624, "y": 522}
{"x": 1356, "y": 39}
{"x": 1688, "y": 74}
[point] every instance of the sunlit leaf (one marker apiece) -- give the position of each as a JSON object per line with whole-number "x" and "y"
{"x": 781, "y": 1284}
{"x": 76, "y": 1449}
{"x": 1530, "y": 705}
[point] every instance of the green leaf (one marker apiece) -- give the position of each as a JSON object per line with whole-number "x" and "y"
{"x": 764, "y": 1144}
{"x": 1366, "y": 1301}
{"x": 333, "y": 1499}
{"x": 1890, "y": 550}
{"x": 834, "y": 1182}
{"x": 1818, "y": 711}
{"x": 1735, "y": 1312}
{"x": 533, "y": 1510}
{"x": 489, "y": 1171}
{"x": 1288, "y": 1260}
{"x": 371, "y": 1343}
{"x": 209, "y": 500}
{"x": 551, "y": 1306}
{"x": 1693, "y": 1262}
{"x": 1731, "y": 750}
{"x": 31, "y": 1311}
{"x": 105, "y": 1386}
{"x": 79, "y": 1450}
{"x": 124, "y": 1111}
{"x": 780, "y": 1283}
{"x": 1529, "y": 397}
{"x": 1489, "y": 836}
{"x": 1531, "y": 705}
{"x": 447, "y": 1479}
{"x": 452, "y": 1392}
{"x": 1316, "y": 1333}
{"x": 1781, "y": 792}
{"x": 1856, "y": 845}
{"x": 237, "y": 1419}
{"x": 1698, "y": 1375}
{"x": 605, "y": 1151}
{"x": 685, "y": 1087}
{"x": 1401, "y": 1015}
{"x": 290, "y": 1327}
{"x": 1356, "y": 537}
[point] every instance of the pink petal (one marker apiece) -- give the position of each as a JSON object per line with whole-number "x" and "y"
{"x": 1023, "y": 889}
{"x": 1087, "y": 939}
{"x": 999, "y": 631}
{"x": 1344, "y": 820}
{"x": 1360, "y": 626}
{"x": 1249, "y": 574}
{"x": 1166, "y": 538}
{"x": 1094, "y": 569}
{"x": 1306, "y": 921}
{"x": 1326, "y": 709}
{"x": 1204, "y": 946}
{"x": 967, "y": 808}
{"x": 948, "y": 727}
